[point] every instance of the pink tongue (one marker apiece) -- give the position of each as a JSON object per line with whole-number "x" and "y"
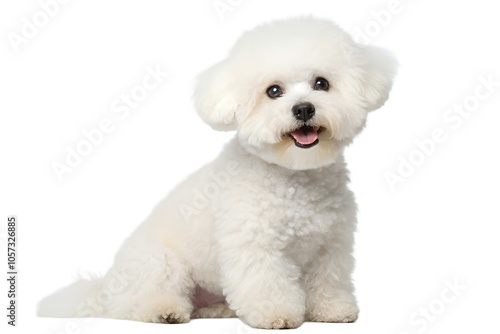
{"x": 305, "y": 136}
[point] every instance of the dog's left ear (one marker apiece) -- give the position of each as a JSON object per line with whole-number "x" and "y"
{"x": 379, "y": 68}
{"x": 215, "y": 97}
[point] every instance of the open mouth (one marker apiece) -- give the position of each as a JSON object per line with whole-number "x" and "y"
{"x": 306, "y": 136}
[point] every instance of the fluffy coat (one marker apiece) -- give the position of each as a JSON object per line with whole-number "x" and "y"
{"x": 265, "y": 232}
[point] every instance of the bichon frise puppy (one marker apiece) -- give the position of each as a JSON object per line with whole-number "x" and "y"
{"x": 264, "y": 232}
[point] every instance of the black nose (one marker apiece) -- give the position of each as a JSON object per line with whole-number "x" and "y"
{"x": 303, "y": 111}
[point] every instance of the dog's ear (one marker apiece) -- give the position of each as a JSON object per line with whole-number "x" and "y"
{"x": 215, "y": 97}
{"x": 379, "y": 68}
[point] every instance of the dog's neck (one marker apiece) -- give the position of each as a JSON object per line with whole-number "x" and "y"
{"x": 236, "y": 152}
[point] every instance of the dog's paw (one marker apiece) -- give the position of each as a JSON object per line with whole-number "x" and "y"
{"x": 284, "y": 323}
{"x": 285, "y": 320}
{"x": 172, "y": 318}
{"x": 165, "y": 313}
{"x": 334, "y": 312}
{"x": 280, "y": 322}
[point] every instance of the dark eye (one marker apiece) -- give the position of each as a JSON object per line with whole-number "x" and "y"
{"x": 321, "y": 84}
{"x": 274, "y": 91}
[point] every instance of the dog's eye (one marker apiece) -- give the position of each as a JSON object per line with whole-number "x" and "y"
{"x": 274, "y": 91}
{"x": 321, "y": 84}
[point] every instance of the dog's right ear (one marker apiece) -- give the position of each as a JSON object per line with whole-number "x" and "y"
{"x": 215, "y": 98}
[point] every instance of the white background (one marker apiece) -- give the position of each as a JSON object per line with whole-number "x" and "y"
{"x": 440, "y": 225}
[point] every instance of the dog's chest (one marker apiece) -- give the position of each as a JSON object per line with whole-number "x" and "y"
{"x": 306, "y": 205}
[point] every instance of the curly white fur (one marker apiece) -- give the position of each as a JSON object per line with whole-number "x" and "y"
{"x": 264, "y": 232}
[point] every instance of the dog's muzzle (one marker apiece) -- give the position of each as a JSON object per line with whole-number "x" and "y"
{"x": 303, "y": 111}
{"x": 305, "y": 136}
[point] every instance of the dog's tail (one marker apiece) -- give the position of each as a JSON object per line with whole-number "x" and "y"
{"x": 73, "y": 301}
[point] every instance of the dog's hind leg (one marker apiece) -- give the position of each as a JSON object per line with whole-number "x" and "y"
{"x": 149, "y": 283}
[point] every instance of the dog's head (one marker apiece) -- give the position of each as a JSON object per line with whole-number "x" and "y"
{"x": 297, "y": 91}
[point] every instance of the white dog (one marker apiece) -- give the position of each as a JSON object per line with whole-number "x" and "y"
{"x": 264, "y": 232}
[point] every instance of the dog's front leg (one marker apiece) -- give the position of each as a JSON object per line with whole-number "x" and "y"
{"x": 260, "y": 284}
{"x": 328, "y": 285}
